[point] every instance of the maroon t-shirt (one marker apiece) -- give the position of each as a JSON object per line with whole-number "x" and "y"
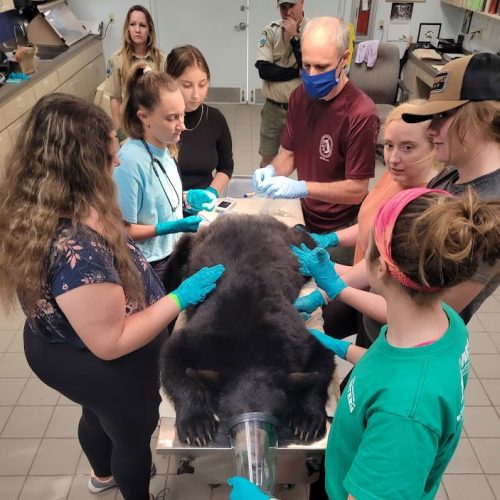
{"x": 331, "y": 141}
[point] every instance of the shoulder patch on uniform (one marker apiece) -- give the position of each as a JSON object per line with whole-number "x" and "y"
{"x": 263, "y": 39}
{"x": 109, "y": 69}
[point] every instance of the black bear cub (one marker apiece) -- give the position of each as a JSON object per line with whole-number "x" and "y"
{"x": 245, "y": 348}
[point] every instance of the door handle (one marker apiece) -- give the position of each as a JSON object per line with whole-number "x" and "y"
{"x": 241, "y": 27}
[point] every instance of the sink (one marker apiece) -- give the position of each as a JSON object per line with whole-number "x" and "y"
{"x": 50, "y": 51}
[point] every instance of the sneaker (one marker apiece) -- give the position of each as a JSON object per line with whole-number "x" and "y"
{"x": 97, "y": 485}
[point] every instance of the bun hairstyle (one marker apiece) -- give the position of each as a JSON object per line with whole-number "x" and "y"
{"x": 143, "y": 89}
{"x": 440, "y": 241}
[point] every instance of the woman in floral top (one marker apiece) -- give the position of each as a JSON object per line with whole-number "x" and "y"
{"x": 96, "y": 312}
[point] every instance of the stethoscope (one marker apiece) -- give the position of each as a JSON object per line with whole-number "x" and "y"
{"x": 154, "y": 162}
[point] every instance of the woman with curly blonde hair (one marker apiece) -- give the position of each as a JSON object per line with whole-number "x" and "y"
{"x": 139, "y": 44}
{"x": 96, "y": 312}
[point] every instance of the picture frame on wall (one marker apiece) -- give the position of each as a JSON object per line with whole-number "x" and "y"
{"x": 428, "y": 32}
{"x": 466, "y": 22}
{"x": 401, "y": 12}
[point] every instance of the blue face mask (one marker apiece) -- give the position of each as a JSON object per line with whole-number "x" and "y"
{"x": 319, "y": 86}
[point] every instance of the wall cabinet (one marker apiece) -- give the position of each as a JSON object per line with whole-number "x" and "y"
{"x": 79, "y": 71}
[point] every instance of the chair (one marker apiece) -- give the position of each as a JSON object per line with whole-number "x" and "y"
{"x": 381, "y": 82}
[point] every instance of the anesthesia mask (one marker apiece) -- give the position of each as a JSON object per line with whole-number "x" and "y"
{"x": 254, "y": 438}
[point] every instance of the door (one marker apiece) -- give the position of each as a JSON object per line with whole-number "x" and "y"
{"x": 227, "y": 32}
{"x": 219, "y": 29}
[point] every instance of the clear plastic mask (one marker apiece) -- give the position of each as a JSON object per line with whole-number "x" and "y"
{"x": 254, "y": 438}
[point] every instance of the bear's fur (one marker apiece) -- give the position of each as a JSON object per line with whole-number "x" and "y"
{"x": 245, "y": 348}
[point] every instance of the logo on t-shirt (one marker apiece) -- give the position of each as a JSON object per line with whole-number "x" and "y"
{"x": 464, "y": 366}
{"x": 325, "y": 147}
{"x": 351, "y": 398}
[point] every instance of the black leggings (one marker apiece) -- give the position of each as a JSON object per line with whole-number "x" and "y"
{"x": 120, "y": 405}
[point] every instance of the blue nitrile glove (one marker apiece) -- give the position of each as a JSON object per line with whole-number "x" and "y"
{"x": 339, "y": 347}
{"x": 317, "y": 262}
{"x": 284, "y": 187}
{"x": 186, "y": 225}
{"x": 326, "y": 240}
{"x": 261, "y": 175}
{"x": 309, "y": 303}
{"x": 200, "y": 199}
{"x": 243, "y": 489}
{"x": 195, "y": 288}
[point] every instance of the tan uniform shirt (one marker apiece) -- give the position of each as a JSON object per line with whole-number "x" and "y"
{"x": 113, "y": 86}
{"x": 273, "y": 48}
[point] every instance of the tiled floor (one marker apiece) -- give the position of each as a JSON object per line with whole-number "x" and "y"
{"x": 40, "y": 457}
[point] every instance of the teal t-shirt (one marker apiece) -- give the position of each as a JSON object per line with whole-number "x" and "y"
{"x": 399, "y": 419}
{"x": 146, "y": 197}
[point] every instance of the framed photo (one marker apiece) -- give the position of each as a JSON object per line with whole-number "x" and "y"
{"x": 428, "y": 31}
{"x": 401, "y": 13}
{"x": 466, "y": 22}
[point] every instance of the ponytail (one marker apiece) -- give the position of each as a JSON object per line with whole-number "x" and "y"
{"x": 143, "y": 89}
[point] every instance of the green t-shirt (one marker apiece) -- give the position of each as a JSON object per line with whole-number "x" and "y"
{"x": 399, "y": 419}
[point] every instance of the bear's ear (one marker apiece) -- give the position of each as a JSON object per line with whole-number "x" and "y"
{"x": 203, "y": 376}
{"x": 302, "y": 379}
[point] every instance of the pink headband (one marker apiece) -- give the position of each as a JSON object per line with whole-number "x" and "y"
{"x": 385, "y": 221}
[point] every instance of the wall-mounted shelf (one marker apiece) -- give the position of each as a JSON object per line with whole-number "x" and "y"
{"x": 466, "y": 5}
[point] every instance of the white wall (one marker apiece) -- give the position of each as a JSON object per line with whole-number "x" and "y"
{"x": 489, "y": 39}
{"x": 450, "y": 17}
{"x": 430, "y": 11}
{"x": 423, "y": 12}
{"x": 98, "y": 10}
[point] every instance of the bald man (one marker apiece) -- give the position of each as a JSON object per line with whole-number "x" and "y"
{"x": 329, "y": 137}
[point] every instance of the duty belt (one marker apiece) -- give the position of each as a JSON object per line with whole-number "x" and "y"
{"x": 282, "y": 105}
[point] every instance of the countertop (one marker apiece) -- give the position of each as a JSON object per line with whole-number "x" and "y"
{"x": 45, "y": 67}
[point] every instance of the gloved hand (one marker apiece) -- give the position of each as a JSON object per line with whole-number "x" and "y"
{"x": 261, "y": 175}
{"x": 284, "y": 187}
{"x": 309, "y": 303}
{"x": 194, "y": 289}
{"x": 243, "y": 489}
{"x": 186, "y": 225}
{"x": 305, "y": 316}
{"x": 339, "y": 347}
{"x": 200, "y": 199}
{"x": 317, "y": 262}
{"x": 327, "y": 240}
